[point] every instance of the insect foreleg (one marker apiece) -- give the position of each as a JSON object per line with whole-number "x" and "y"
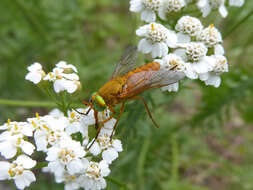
{"x": 96, "y": 119}
{"x": 88, "y": 111}
{"x": 147, "y": 109}
{"x": 98, "y": 131}
{"x": 117, "y": 120}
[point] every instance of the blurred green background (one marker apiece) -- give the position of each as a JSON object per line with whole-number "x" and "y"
{"x": 206, "y": 135}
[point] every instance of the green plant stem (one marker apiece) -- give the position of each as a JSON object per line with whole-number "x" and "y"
{"x": 175, "y": 163}
{"x": 238, "y": 24}
{"x": 142, "y": 160}
{"x": 115, "y": 181}
{"x": 22, "y": 103}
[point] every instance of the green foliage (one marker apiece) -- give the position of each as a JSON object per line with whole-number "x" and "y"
{"x": 205, "y": 138}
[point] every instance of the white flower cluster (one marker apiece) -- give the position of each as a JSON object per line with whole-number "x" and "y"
{"x": 13, "y": 142}
{"x": 64, "y": 76}
{"x": 206, "y": 6}
{"x": 69, "y": 159}
{"x": 149, "y": 9}
{"x": 190, "y": 48}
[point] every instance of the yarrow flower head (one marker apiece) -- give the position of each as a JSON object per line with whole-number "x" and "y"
{"x": 93, "y": 177}
{"x": 13, "y": 139}
{"x": 35, "y": 73}
{"x": 156, "y": 39}
{"x": 206, "y": 6}
{"x": 108, "y": 148}
{"x": 67, "y": 154}
{"x": 189, "y": 25}
{"x": 64, "y": 77}
{"x": 195, "y": 53}
{"x": 15, "y": 128}
{"x": 170, "y": 6}
{"x": 210, "y": 36}
{"x": 148, "y": 8}
{"x": 213, "y": 77}
{"x": 176, "y": 63}
{"x": 19, "y": 171}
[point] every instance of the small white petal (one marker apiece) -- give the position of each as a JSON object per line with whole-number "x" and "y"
{"x": 148, "y": 16}
{"x": 172, "y": 39}
{"x": 59, "y": 85}
{"x": 41, "y": 142}
{"x": 104, "y": 168}
{"x": 33, "y": 77}
{"x": 109, "y": 155}
{"x": 219, "y": 50}
{"x": 75, "y": 166}
{"x": 206, "y": 10}
{"x": 223, "y": 11}
{"x": 70, "y": 86}
{"x": 181, "y": 53}
{"x": 25, "y": 161}
{"x": 34, "y": 67}
{"x": 190, "y": 73}
{"x": 5, "y": 135}
{"x": 236, "y": 3}
{"x": 27, "y": 147}
{"x": 52, "y": 154}
{"x": 4, "y": 167}
{"x": 183, "y": 38}
{"x": 136, "y": 5}
{"x": 27, "y": 130}
{"x": 171, "y": 88}
{"x": 157, "y": 50}
{"x": 56, "y": 167}
{"x": 8, "y": 150}
{"x": 144, "y": 46}
{"x": 117, "y": 145}
{"x": 213, "y": 80}
{"x": 203, "y": 76}
{"x": 142, "y": 31}
{"x": 95, "y": 149}
{"x": 25, "y": 179}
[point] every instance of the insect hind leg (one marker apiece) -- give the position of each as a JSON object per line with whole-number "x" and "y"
{"x": 147, "y": 109}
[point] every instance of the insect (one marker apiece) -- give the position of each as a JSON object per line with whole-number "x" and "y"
{"x": 126, "y": 83}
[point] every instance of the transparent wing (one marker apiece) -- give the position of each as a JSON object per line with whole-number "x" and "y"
{"x": 127, "y": 62}
{"x": 141, "y": 81}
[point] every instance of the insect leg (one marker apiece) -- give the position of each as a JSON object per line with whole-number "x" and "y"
{"x": 96, "y": 119}
{"x": 98, "y": 131}
{"x": 117, "y": 120}
{"x": 97, "y": 126}
{"x": 86, "y": 103}
{"x": 81, "y": 113}
{"x": 147, "y": 109}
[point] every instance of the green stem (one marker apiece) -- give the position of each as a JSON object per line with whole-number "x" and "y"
{"x": 238, "y": 24}
{"x": 115, "y": 181}
{"x": 22, "y": 103}
{"x": 175, "y": 161}
{"x": 142, "y": 160}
